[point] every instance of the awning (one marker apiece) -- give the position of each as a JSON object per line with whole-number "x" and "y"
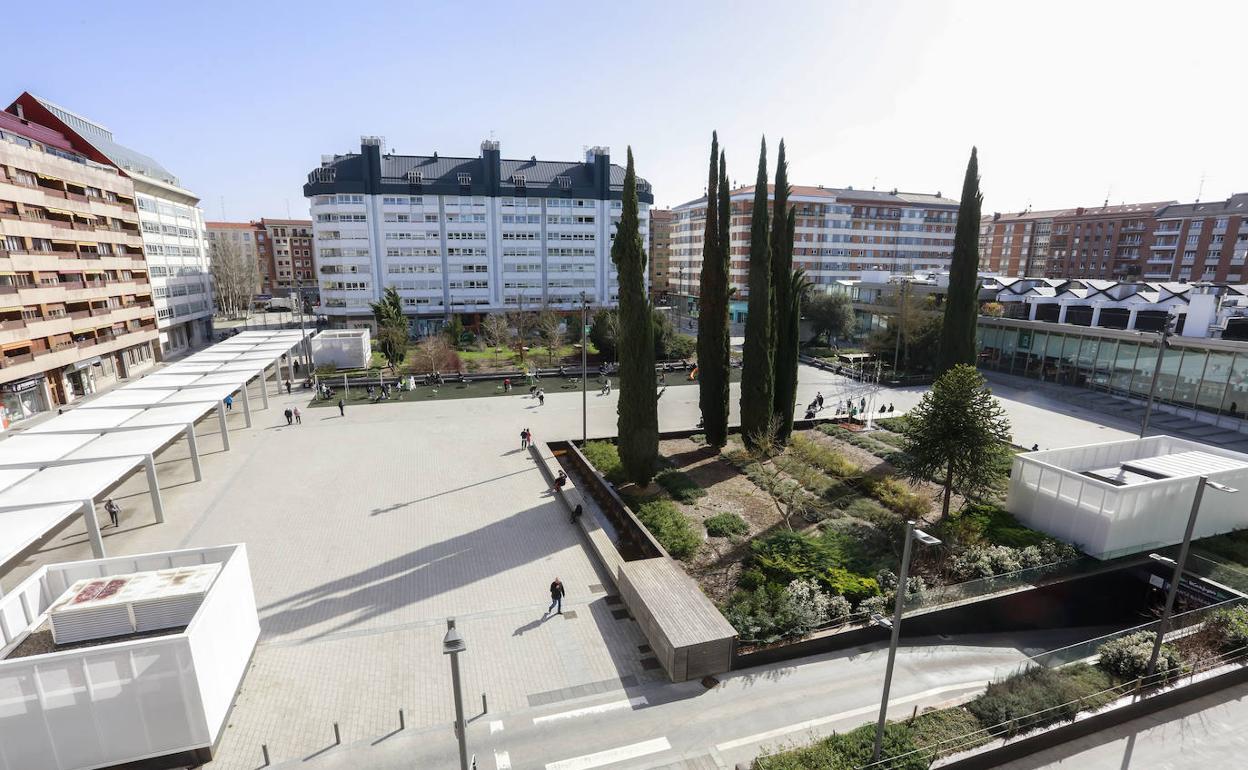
{"x": 85, "y": 363}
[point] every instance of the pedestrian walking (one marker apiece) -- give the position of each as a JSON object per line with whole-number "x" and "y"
{"x": 229, "y": 403}
{"x": 298, "y": 417}
{"x": 819, "y": 400}
{"x": 541, "y": 398}
{"x": 113, "y": 511}
{"x": 506, "y": 384}
{"x": 288, "y": 387}
{"x": 290, "y": 416}
{"x": 342, "y": 408}
{"x": 524, "y": 438}
{"x": 556, "y": 597}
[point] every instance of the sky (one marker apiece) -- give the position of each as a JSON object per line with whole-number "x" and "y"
{"x": 1069, "y": 103}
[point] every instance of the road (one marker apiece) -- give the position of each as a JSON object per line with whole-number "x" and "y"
{"x": 689, "y": 726}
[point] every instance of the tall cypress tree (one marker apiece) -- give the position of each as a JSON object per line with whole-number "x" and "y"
{"x": 781, "y": 267}
{"x": 757, "y": 367}
{"x": 957, "y": 334}
{"x": 638, "y": 424}
{"x": 787, "y": 332}
{"x": 713, "y": 314}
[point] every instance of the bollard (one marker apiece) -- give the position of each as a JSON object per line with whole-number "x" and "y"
{"x": 264, "y": 749}
{"x": 401, "y": 725}
{"x": 484, "y": 709}
{"x": 337, "y": 736}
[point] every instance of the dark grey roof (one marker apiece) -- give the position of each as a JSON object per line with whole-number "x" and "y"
{"x": 1236, "y": 204}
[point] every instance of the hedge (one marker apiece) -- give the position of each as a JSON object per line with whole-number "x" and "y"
{"x": 670, "y": 527}
{"x": 1009, "y": 707}
{"x": 606, "y": 458}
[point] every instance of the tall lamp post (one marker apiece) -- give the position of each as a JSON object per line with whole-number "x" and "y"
{"x": 1179, "y": 566}
{"x": 1163, "y": 342}
{"x": 453, "y": 645}
{"x": 584, "y": 369}
{"x": 912, "y": 534}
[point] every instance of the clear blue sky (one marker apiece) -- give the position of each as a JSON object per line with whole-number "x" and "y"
{"x": 1068, "y": 102}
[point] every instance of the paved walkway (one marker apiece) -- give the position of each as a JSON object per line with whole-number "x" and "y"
{"x": 366, "y": 532}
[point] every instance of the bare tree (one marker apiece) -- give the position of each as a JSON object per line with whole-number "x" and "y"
{"x": 523, "y": 322}
{"x": 495, "y": 331}
{"x": 551, "y": 331}
{"x": 434, "y": 353}
{"x": 235, "y": 278}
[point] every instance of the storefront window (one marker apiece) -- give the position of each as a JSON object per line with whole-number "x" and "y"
{"x": 1067, "y": 372}
{"x": 1033, "y": 365}
{"x": 1190, "y": 371}
{"x": 1106, "y": 350}
{"x": 1124, "y": 367}
{"x": 1009, "y": 347}
{"x": 1145, "y": 365}
{"x": 20, "y": 400}
{"x": 1213, "y": 386}
{"x": 1237, "y": 394}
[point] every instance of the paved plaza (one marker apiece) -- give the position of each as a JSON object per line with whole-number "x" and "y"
{"x": 366, "y": 531}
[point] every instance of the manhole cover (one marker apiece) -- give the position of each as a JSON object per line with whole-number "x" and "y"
{"x": 570, "y": 614}
{"x": 649, "y": 664}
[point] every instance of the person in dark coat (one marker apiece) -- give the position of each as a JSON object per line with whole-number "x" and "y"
{"x": 290, "y": 416}
{"x": 342, "y": 408}
{"x": 556, "y": 597}
{"x": 113, "y": 511}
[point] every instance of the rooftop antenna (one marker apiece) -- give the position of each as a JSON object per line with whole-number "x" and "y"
{"x": 873, "y": 181}
{"x": 1108, "y": 190}
{"x": 288, "y": 208}
{"x": 1201, "y": 188}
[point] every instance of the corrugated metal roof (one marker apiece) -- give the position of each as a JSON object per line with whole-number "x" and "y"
{"x": 102, "y": 139}
{"x": 1183, "y": 465}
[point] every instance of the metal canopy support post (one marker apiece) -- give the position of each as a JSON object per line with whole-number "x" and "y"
{"x": 264, "y": 386}
{"x": 225, "y": 429}
{"x": 153, "y": 486}
{"x": 93, "y": 528}
{"x": 193, "y": 446}
{"x": 1164, "y": 624}
{"x": 246, "y": 403}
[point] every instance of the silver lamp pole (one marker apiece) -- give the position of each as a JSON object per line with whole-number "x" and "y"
{"x": 584, "y": 369}
{"x": 912, "y": 534}
{"x": 1163, "y": 342}
{"x": 1178, "y": 568}
{"x": 453, "y": 645}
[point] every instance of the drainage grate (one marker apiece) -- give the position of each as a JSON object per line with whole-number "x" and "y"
{"x": 569, "y": 615}
{"x": 649, "y": 664}
{"x": 597, "y": 588}
{"x": 619, "y": 614}
{"x": 643, "y": 648}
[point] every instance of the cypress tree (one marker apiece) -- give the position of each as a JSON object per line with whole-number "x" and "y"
{"x": 787, "y": 333}
{"x": 757, "y": 367}
{"x": 781, "y": 268}
{"x": 713, "y": 314}
{"x": 638, "y": 424}
{"x": 957, "y": 334}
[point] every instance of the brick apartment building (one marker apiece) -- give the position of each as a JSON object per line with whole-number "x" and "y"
{"x": 1017, "y": 244}
{"x": 660, "y": 250}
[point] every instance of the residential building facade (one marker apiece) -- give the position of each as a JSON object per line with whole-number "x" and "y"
{"x": 660, "y": 251}
{"x": 171, "y": 221}
{"x": 839, "y": 234}
{"x": 1017, "y": 244}
{"x": 1200, "y": 241}
{"x": 76, "y": 309}
{"x": 464, "y": 235}
{"x": 288, "y": 247}
{"x": 1107, "y": 242}
{"x": 251, "y": 240}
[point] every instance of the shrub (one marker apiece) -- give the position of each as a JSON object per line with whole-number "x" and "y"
{"x": 670, "y": 527}
{"x": 787, "y": 556}
{"x": 765, "y": 615}
{"x": 852, "y": 586}
{"x": 680, "y": 486}
{"x": 810, "y": 603}
{"x": 894, "y": 496}
{"x": 870, "y": 511}
{"x": 1229, "y": 626}
{"x": 824, "y": 458}
{"x": 680, "y": 346}
{"x": 750, "y": 579}
{"x": 846, "y": 751}
{"x": 726, "y": 525}
{"x": 1037, "y": 697}
{"x": 1232, "y": 546}
{"x": 946, "y": 731}
{"x": 873, "y": 604}
{"x": 604, "y": 456}
{"x": 861, "y": 548}
{"x": 1127, "y": 657}
{"x": 988, "y": 523}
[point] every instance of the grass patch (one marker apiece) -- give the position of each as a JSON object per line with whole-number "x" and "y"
{"x": 946, "y": 731}
{"x": 824, "y": 458}
{"x": 988, "y": 524}
{"x": 1010, "y": 707}
{"x": 604, "y": 456}
{"x": 726, "y": 525}
{"x": 680, "y": 486}
{"x": 846, "y": 751}
{"x": 670, "y": 527}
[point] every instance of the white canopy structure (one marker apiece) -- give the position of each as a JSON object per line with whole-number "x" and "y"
{"x": 58, "y": 468}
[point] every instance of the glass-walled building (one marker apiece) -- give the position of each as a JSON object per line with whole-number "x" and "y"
{"x": 1204, "y": 375}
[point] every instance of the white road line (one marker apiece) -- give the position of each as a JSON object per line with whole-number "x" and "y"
{"x": 496, "y": 726}
{"x": 502, "y": 760}
{"x": 618, "y": 705}
{"x": 808, "y": 724}
{"x": 611, "y": 755}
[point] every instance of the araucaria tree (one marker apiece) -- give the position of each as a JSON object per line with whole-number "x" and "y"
{"x": 391, "y": 327}
{"x": 758, "y": 361}
{"x": 958, "y": 436}
{"x": 957, "y": 335}
{"x": 784, "y": 304}
{"x": 713, "y": 363}
{"x": 638, "y": 425}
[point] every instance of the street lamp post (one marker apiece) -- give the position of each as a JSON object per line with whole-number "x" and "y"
{"x": 1163, "y": 342}
{"x": 453, "y": 645}
{"x": 584, "y": 369}
{"x": 912, "y": 534}
{"x": 1179, "y": 566}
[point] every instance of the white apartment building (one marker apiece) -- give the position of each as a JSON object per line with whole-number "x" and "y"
{"x": 838, "y": 234}
{"x": 171, "y": 223}
{"x": 464, "y": 235}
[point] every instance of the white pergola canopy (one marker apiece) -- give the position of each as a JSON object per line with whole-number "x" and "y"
{"x": 55, "y": 470}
